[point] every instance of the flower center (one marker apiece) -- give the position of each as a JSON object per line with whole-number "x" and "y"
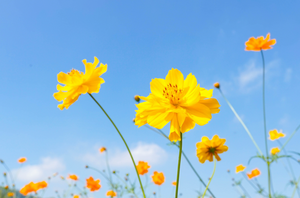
{"x": 212, "y": 150}
{"x": 172, "y": 93}
{"x": 75, "y": 72}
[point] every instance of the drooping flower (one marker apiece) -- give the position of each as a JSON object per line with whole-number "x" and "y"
{"x": 111, "y": 193}
{"x": 174, "y": 183}
{"x": 73, "y": 177}
{"x": 254, "y": 173}
{"x": 158, "y": 178}
{"x": 102, "y": 149}
{"x": 22, "y": 160}
{"x": 259, "y": 43}
{"x": 274, "y": 135}
{"x": 142, "y": 167}
{"x": 182, "y": 102}
{"x": 275, "y": 150}
{"x": 92, "y": 184}
{"x": 10, "y": 194}
{"x": 206, "y": 149}
{"x": 77, "y": 83}
{"x": 240, "y": 168}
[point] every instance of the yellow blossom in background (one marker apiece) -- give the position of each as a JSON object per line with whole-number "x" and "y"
{"x": 77, "y": 83}
{"x": 102, "y": 149}
{"x": 177, "y": 100}
{"x": 111, "y": 193}
{"x": 275, "y": 150}
{"x": 274, "y": 135}
{"x": 240, "y": 168}
{"x": 259, "y": 43}
{"x": 158, "y": 178}
{"x": 22, "y": 160}
{"x": 10, "y": 194}
{"x": 76, "y": 196}
{"x": 254, "y": 173}
{"x": 206, "y": 149}
{"x": 73, "y": 177}
{"x": 174, "y": 183}
{"x": 142, "y": 167}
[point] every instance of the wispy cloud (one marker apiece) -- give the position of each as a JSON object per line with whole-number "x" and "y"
{"x": 288, "y": 75}
{"x": 151, "y": 153}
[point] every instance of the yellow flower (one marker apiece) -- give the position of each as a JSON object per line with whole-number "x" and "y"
{"x": 77, "y": 83}
{"x": 274, "y": 135}
{"x": 240, "y": 168}
{"x": 206, "y": 149}
{"x": 254, "y": 173}
{"x": 275, "y": 150}
{"x": 182, "y": 102}
{"x": 102, "y": 149}
{"x": 10, "y": 194}
{"x": 111, "y": 193}
{"x": 76, "y": 196}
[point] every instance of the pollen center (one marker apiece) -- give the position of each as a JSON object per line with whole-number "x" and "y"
{"x": 75, "y": 72}
{"x": 173, "y": 93}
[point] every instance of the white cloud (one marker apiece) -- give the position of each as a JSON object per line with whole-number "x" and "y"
{"x": 46, "y": 168}
{"x": 151, "y": 153}
{"x": 288, "y": 75}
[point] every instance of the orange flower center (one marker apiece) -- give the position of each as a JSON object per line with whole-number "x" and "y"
{"x": 172, "y": 93}
{"x": 75, "y": 72}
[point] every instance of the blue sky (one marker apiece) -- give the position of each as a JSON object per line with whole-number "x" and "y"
{"x": 139, "y": 41}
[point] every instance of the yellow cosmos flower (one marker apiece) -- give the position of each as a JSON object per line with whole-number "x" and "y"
{"x": 77, "y": 83}
{"x": 240, "y": 168}
{"x": 111, "y": 193}
{"x": 206, "y": 149}
{"x": 177, "y": 100}
{"x": 274, "y": 135}
{"x": 10, "y": 194}
{"x": 275, "y": 150}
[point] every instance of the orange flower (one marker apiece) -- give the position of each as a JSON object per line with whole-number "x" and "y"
{"x": 142, "y": 167}
{"x": 22, "y": 160}
{"x": 6, "y": 187}
{"x": 217, "y": 85}
{"x": 254, "y": 173}
{"x": 10, "y": 194}
{"x": 158, "y": 178}
{"x": 240, "y": 168}
{"x": 275, "y": 150}
{"x": 111, "y": 193}
{"x": 92, "y": 184}
{"x": 174, "y": 183}
{"x": 259, "y": 43}
{"x": 41, "y": 185}
{"x": 76, "y": 196}
{"x": 33, "y": 187}
{"x": 102, "y": 149}
{"x": 73, "y": 177}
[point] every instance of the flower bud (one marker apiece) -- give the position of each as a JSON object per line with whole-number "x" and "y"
{"x": 217, "y": 85}
{"x": 137, "y": 98}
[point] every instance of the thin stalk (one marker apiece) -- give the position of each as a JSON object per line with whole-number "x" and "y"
{"x": 215, "y": 164}
{"x": 265, "y": 124}
{"x": 124, "y": 143}
{"x": 241, "y": 121}
{"x": 160, "y": 132}
{"x": 99, "y": 172}
{"x": 178, "y": 168}
{"x": 290, "y": 137}
{"x": 109, "y": 172}
{"x": 296, "y": 187}
{"x": 244, "y": 190}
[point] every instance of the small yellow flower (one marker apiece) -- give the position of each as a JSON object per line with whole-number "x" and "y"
{"x": 111, "y": 193}
{"x": 10, "y": 194}
{"x": 137, "y": 98}
{"x": 158, "y": 178}
{"x": 254, "y": 173}
{"x": 275, "y": 150}
{"x": 240, "y": 168}
{"x": 179, "y": 101}
{"x": 274, "y": 135}
{"x": 102, "y": 149}
{"x": 77, "y": 83}
{"x": 142, "y": 167}
{"x": 174, "y": 183}
{"x": 206, "y": 149}
{"x": 76, "y": 196}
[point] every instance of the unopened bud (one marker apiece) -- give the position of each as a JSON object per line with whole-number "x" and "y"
{"x": 1, "y": 161}
{"x": 114, "y": 172}
{"x": 137, "y": 98}
{"x": 4, "y": 174}
{"x": 228, "y": 171}
{"x": 86, "y": 166}
{"x": 217, "y": 85}
{"x": 154, "y": 193}
{"x": 133, "y": 120}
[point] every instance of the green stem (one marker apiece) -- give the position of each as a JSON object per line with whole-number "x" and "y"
{"x": 124, "y": 143}
{"x": 296, "y": 187}
{"x": 109, "y": 172}
{"x": 215, "y": 164}
{"x": 265, "y": 124}
{"x": 186, "y": 158}
{"x": 178, "y": 168}
{"x": 241, "y": 121}
{"x": 99, "y": 172}
{"x": 290, "y": 137}
{"x": 245, "y": 191}
{"x": 288, "y": 160}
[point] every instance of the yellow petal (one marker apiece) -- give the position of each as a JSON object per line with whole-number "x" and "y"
{"x": 157, "y": 87}
{"x": 175, "y": 77}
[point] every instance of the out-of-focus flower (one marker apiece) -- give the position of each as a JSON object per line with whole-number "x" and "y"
{"x": 142, "y": 167}
{"x": 76, "y": 196}
{"x": 240, "y": 168}
{"x": 217, "y": 85}
{"x": 207, "y": 148}
{"x": 92, "y": 184}
{"x": 254, "y": 173}
{"x": 22, "y": 160}
{"x": 102, "y": 149}
{"x": 158, "y": 178}
{"x": 10, "y": 194}
{"x": 33, "y": 187}
{"x": 111, "y": 193}
{"x": 275, "y": 150}
{"x": 259, "y": 43}
{"x": 73, "y": 177}
{"x": 77, "y": 83}
{"x": 274, "y": 134}
{"x": 6, "y": 187}
{"x": 137, "y": 98}
{"x": 182, "y": 102}
{"x": 174, "y": 183}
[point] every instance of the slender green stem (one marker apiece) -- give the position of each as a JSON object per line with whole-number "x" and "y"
{"x": 186, "y": 158}
{"x": 124, "y": 143}
{"x": 290, "y": 137}
{"x": 265, "y": 124}
{"x": 99, "y": 172}
{"x": 178, "y": 168}
{"x": 288, "y": 160}
{"x": 241, "y": 121}
{"x": 296, "y": 187}
{"x": 215, "y": 164}
{"x": 245, "y": 191}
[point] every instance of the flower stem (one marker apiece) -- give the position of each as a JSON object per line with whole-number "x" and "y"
{"x": 241, "y": 121}
{"x": 296, "y": 187}
{"x": 124, "y": 143}
{"x": 178, "y": 168}
{"x": 188, "y": 161}
{"x": 215, "y": 164}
